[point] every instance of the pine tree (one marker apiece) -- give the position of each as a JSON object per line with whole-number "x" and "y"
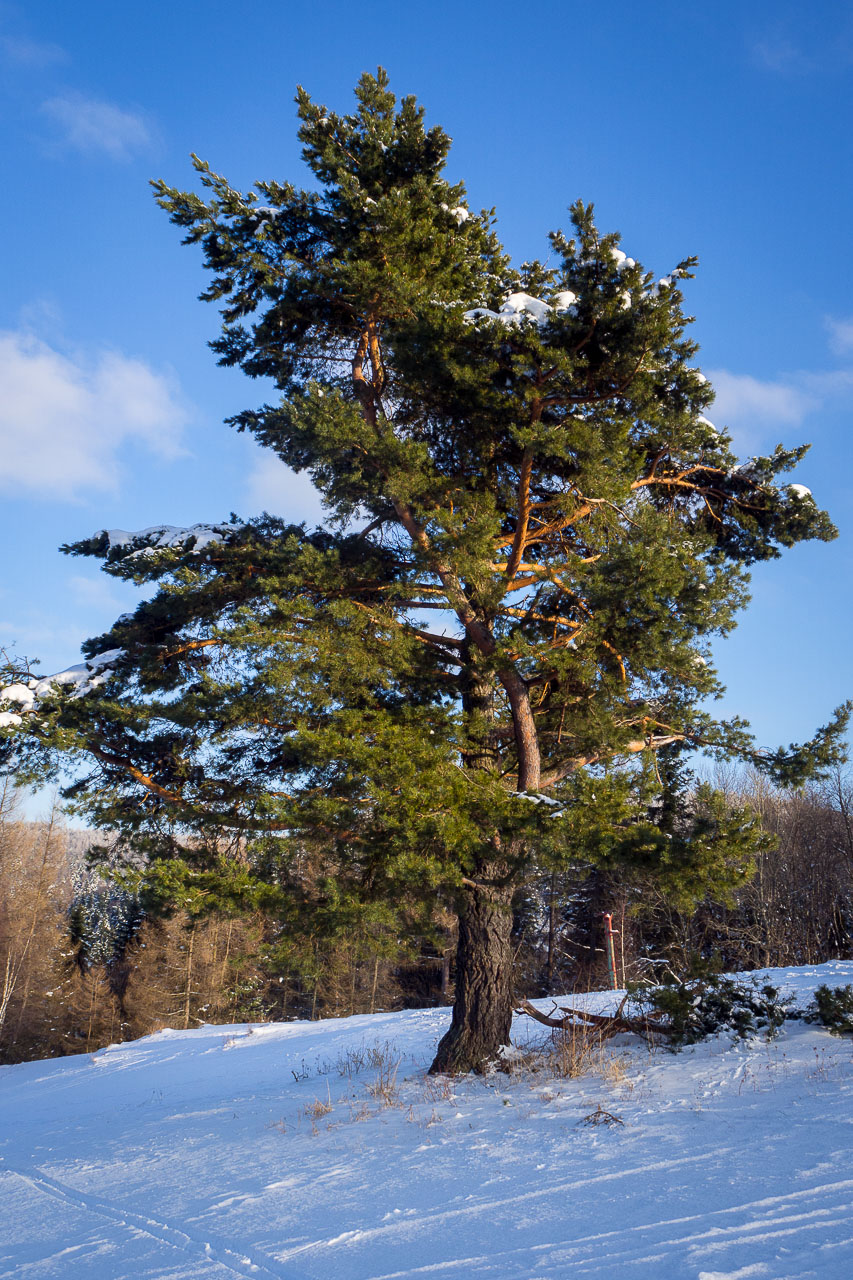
{"x": 532, "y": 533}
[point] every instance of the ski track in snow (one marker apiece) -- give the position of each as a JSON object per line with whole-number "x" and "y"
{"x": 204, "y": 1251}
{"x": 620, "y": 1248}
{"x": 205, "y": 1155}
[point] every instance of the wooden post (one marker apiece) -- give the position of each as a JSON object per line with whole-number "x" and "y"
{"x": 189, "y": 988}
{"x": 609, "y": 933}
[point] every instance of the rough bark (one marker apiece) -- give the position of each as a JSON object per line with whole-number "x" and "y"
{"x": 478, "y": 705}
{"x": 524, "y": 727}
{"x": 482, "y": 1011}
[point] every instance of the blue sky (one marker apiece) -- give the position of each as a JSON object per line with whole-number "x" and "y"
{"x": 719, "y": 129}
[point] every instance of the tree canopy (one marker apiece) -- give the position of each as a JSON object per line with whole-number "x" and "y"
{"x": 496, "y": 646}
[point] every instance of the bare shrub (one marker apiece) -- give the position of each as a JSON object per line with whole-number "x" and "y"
{"x": 384, "y": 1087}
{"x": 319, "y": 1107}
{"x": 576, "y": 1051}
{"x": 439, "y": 1089}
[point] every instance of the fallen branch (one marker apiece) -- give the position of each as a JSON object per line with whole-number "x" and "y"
{"x": 609, "y": 1024}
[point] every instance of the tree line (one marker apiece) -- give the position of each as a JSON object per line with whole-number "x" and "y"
{"x": 83, "y": 966}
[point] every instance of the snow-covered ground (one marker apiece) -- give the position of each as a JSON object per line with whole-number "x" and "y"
{"x": 290, "y": 1151}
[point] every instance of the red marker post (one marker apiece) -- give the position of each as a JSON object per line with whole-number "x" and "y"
{"x": 609, "y": 934}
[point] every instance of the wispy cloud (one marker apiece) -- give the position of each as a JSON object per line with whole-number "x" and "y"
{"x": 840, "y": 335}
{"x": 777, "y": 53}
{"x": 64, "y": 420}
{"x": 95, "y": 594}
{"x": 796, "y": 45}
{"x": 273, "y": 487}
{"x": 33, "y": 54}
{"x": 96, "y": 127}
{"x": 742, "y": 400}
{"x": 757, "y": 409}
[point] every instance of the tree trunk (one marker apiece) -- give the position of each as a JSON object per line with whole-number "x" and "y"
{"x": 445, "y": 975}
{"x": 189, "y": 989}
{"x": 552, "y": 930}
{"x": 482, "y": 1008}
{"x": 482, "y": 1011}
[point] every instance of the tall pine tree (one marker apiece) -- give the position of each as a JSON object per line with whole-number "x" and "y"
{"x": 532, "y": 533}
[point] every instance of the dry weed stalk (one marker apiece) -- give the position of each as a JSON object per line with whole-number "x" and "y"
{"x": 577, "y": 1051}
{"x": 319, "y": 1107}
{"x": 384, "y": 1087}
{"x": 438, "y": 1089}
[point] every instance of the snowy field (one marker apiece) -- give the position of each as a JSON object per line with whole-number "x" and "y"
{"x": 291, "y": 1151}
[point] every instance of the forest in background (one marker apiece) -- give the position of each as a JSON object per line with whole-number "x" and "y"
{"x": 83, "y": 966}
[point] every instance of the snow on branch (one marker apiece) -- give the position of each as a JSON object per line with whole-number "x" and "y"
{"x": 195, "y": 537}
{"x": 460, "y": 213}
{"x": 79, "y": 679}
{"x": 555, "y": 808}
{"x": 521, "y": 307}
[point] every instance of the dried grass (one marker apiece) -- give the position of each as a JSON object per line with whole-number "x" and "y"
{"x": 384, "y": 1087}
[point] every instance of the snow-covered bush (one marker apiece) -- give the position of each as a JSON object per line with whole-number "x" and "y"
{"x": 700, "y": 1007}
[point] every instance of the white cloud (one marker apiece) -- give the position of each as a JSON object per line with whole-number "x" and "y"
{"x": 775, "y": 52}
{"x": 41, "y": 637}
{"x": 44, "y": 317}
{"x": 63, "y": 421}
{"x": 840, "y": 335}
{"x": 31, "y": 53}
{"x": 741, "y": 400}
{"x": 756, "y": 410}
{"x": 95, "y": 593}
{"x": 273, "y": 487}
{"x": 91, "y": 126}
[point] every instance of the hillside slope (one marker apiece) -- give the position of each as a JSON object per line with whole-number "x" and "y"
{"x": 321, "y": 1150}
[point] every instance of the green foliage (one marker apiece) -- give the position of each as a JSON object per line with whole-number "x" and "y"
{"x": 833, "y": 1006}
{"x": 700, "y": 1007}
{"x": 532, "y": 534}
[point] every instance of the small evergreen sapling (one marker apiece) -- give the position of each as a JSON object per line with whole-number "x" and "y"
{"x": 833, "y": 1006}
{"x": 496, "y": 646}
{"x": 693, "y": 1009}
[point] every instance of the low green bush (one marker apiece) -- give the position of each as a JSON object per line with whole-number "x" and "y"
{"x": 833, "y": 1007}
{"x": 697, "y": 1008}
